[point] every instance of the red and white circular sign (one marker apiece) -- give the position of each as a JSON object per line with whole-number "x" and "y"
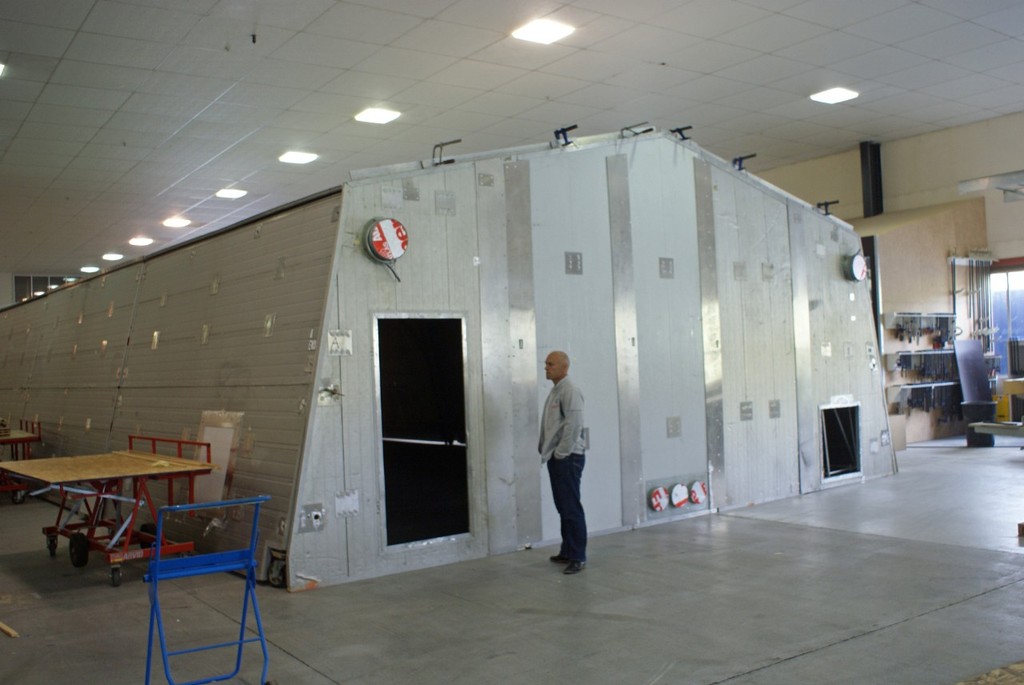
{"x": 387, "y": 240}
{"x": 659, "y": 498}
{"x": 698, "y": 492}
{"x": 680, "y": 495}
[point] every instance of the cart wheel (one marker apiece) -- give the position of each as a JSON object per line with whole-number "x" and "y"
{"x": 115, "y": 576}
{"x": 78, "y": 546}
{"x": 18, "y": 496}
{"x": 277, "y": 572}
{"x": 51, "y": 544}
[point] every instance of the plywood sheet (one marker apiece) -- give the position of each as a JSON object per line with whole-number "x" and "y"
{"x": 122, "y": 464}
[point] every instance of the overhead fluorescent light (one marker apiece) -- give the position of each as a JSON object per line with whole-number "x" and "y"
{"x": 377, "y": 115}
{"x": 113, "y": 256}
{"x": 89, "y": 269}
{"x": 2, "y": 67}
{"x": 231, "y": 193}
{"x": 833, "y": 96}
{"x": 140, "y": 241}
{"x": 293, "y": 157}
{"x": 543, "y": 31}
{"x": 176, "y": 222}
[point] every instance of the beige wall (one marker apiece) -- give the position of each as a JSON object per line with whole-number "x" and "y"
{"x": 924, "y": 171}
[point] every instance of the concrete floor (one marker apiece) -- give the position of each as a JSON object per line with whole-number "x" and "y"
{"x": 915, "y": 578}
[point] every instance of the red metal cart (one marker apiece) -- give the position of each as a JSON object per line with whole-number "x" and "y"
{"x": 20, "y": 441}
{"x": 103, "y": 495}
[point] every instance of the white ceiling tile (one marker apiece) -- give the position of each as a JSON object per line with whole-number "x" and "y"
{"x": 565, "y": 113}
{"x": 710, "y": 56}
{"x": 293, "y": 15}
{"x": 600, "y": 96}
{"x": 93, "y": 98}
{"x": 705, "y": 89}
{"x": 309, "y": 48}
{"x": 522, "y": 54}
{"x": 73, "y": 116}
{"x": 184, "y": 85}
{"x": 901, "y": 24}
{"x": 536, "y": 84}
{"x": 924, "y": 75}
{"x": 498, "y": 15}
{"x": 67, "y": 14}
{"x": 1003, "y": 53}
{"x": 828, "y": 48}
{"x": 473, "y": 74}
{"x": 420, "y": 8}
{"x": 331, "y": 103}
{"x": 75, "y": 73}
{"x": 262, "y": 95}
{"x": 137, "y": 21}
{"x": 207, "y": 63}
{"x": 364, "y": 84}
{"x": 759, "y": 99}
{"x": 439, "y": 95}
{"x": 646, "y": 43}
{"x": 1009, "y": 21}
{"x": 590, "y": 66}
{"x": 590, "y": 31}
{"x": 772, "y": 33}
{"x": 496, "y": 102}
{"x": 963, "y": 88}
{"x": 362, "y": 23}
{"x": 764, "y": 69}
{"x": 710, "y": 18}
{"x": 35, "y": 68}
{"x": 234, "y": 39}
{"x": 1010, "y": 95}
{"x": 21, "y": 91}
{"x": 276, "y": 72}
{"x": 407, "y": 63}
{"x": 33, "y": 39}
{"x": 652, "y": 77}
{"x": 838, "y": 14}
{"x": 128, "y": 52}
{"x": 76, "y": 134}
{"x": 882, "y": 61}
{"x": 635, "y": 10}
{"x": 952, "y": 40}
{"x": 445, "y": 38}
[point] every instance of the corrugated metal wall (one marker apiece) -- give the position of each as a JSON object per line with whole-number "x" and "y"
{"x": 229, "y": 323}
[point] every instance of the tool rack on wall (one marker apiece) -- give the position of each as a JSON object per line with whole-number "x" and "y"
{"x": 927, "y": 378}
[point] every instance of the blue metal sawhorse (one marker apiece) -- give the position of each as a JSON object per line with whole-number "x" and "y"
{"x": 243, "y": 560}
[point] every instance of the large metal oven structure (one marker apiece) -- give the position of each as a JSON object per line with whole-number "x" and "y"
{"x": 373, "y": 357}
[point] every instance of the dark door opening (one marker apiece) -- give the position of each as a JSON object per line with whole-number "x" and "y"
{"x": 840, "y": 438}
{"x": 423, "y": 418}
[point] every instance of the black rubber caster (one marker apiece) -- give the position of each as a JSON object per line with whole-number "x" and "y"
{"x": 18, "y": 496}
{"x": 78, "y": 546}
{"x": 115, "y": 576}
{"x": 51, "y": 545}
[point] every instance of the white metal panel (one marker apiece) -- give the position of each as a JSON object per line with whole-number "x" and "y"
{"x": 754, "y": 287}
{"x": 574, "y": 313}
{"x": 668, "y": 304}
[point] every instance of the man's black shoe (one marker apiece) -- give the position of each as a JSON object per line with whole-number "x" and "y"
{"x": 574, "y": 567}
{"x": 559, "y": 559}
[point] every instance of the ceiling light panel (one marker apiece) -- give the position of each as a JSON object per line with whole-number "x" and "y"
{"x": 377, "y": 115}
{"x": 834, "y": 96}
{"x": 294, "y": 157}
{"x": 543, "y": 31}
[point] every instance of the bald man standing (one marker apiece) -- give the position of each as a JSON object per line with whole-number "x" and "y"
{"x": 561, "y": 446}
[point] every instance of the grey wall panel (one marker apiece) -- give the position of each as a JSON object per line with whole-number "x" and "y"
{"x": 668, "y": 308}
{"x": 496, "y": 348}
{"x": 523, "y": 352}
{"x": 439, "y": 277}
{"x": 568, "y": 195}
{"x": 711, "y": 318}
{"x": 624, "y": 293}
{"x": 841, "y": 349}
{"x": 755, "y": 293}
